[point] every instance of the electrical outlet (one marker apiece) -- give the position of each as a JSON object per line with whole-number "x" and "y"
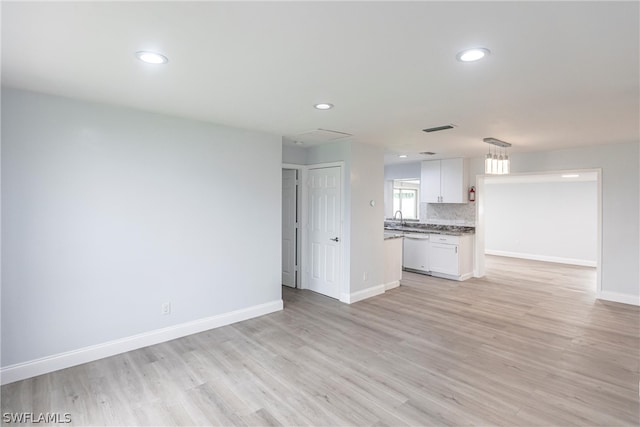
{"x": 166, "y": 308}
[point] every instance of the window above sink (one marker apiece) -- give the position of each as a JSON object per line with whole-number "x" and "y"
{"x": 405, "y": 197}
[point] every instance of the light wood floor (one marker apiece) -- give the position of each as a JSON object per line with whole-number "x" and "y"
{"x": 526, "y": 345}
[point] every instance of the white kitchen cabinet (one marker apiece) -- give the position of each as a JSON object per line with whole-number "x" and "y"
{"x": 451, "y": 257}
{"x": 444, "y": 258}
{"x": 430, "y": 181}
{"x": 444, "y": 181}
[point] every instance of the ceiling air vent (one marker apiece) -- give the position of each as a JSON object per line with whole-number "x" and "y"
{"x": 438, "y": 128}
{"x": 428, "y": 153}
{"x": 316, "y": 136}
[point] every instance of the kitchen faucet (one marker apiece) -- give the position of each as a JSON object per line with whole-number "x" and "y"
{"x": 396, "y": 214}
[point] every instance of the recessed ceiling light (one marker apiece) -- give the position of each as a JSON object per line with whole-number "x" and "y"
{"x": 571, "y": 175}
{"x": 323, "y": 106}
{"x": 403, "y": 156}
{"x": 474, "y": 54}
{"x": 151, "y": 57}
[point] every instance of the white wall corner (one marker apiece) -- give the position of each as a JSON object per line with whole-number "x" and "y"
{"x": 391, "y": 285}
{"x": 32, "y": 368}
{"x": 617, "y": 297}
{"x": 363, "y": 294}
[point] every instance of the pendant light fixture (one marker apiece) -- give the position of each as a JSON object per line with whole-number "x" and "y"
{"x": 487, "y": 162}
{"x": 497, "y": 164}
{"x": 506, "y": 165}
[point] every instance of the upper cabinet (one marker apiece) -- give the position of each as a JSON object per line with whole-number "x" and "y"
{"x": 444, "y": 181}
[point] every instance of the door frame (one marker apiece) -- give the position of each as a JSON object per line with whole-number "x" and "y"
{"x": 299, "y": 169}
{"x": 479, "y": 245}
{"x": 303, "y": 242}
{"x": 297, "y": 229}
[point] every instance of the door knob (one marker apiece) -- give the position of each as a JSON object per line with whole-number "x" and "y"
{"x": 335, "y": 239}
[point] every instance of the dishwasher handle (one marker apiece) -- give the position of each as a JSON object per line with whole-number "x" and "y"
{"x": 417, "y": 236}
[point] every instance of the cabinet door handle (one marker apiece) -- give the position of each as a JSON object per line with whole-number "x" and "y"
{"x": 335, "y": 239}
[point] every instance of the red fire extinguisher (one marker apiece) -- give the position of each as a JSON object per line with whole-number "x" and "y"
{"x": 472, "y": 194}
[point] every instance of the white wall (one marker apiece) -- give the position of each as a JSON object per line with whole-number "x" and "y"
{"x": 402, "y": 171}
{"x": 367, "y": 225}
{"x": 620, "y": 164}
{"x": 294, "y": 155}
{"x": 549, "y": 221}
{"x": 109, "y": 212}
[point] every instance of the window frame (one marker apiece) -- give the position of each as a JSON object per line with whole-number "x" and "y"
{"x": 400, "y": 190}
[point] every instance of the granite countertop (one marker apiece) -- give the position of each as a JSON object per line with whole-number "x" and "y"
{"x": 451, "y": 230}
{"x": 390, "y": 234}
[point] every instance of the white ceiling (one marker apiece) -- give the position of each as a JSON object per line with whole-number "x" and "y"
{"x": 561, "y": 74}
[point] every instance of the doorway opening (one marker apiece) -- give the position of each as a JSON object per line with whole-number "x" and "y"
{"x": 290, "y": 228}
{"x": 547, "y": 216}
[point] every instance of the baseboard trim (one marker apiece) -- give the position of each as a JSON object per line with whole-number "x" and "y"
{"x": 535, "y": 257}
{"x": 391, "y": 285}
{"x": 363, "y": 294}
{"x": 32, "y": 368}
{"x": 617, "y": 297}
{"x": 466, "y": 276}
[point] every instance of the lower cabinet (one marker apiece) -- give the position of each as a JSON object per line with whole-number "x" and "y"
{"x": 451, "y": 257}
{"x": 441, "y": 255}
{"x": 444, "y": 258}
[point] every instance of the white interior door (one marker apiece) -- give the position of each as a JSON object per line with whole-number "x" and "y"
{"x": 325, "y": 236}
{"x": 289, "y": 225}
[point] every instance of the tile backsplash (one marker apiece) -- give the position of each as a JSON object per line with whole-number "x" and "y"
{"x": 448, "y": 213}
